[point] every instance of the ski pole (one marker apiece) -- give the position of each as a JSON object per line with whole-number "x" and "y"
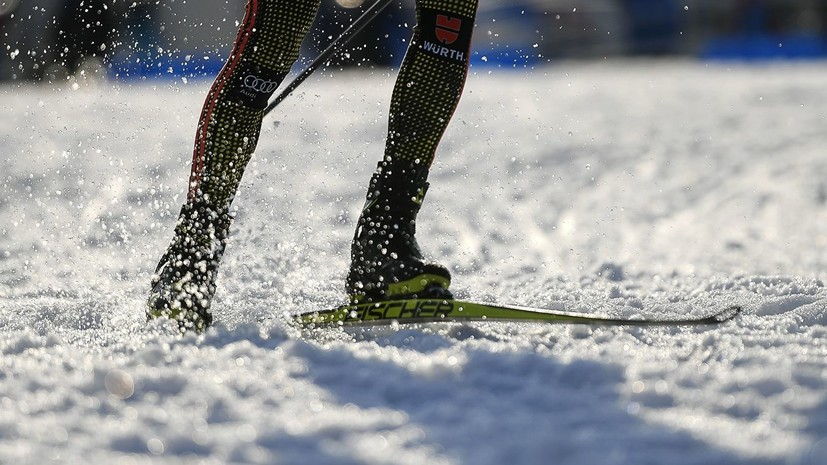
{"x": 336, "y": 46}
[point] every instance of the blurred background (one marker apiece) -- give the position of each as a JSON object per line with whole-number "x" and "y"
{"x": 142, "y": 39}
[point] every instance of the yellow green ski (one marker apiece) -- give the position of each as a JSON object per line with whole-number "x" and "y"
{"x": 434, "y": 310}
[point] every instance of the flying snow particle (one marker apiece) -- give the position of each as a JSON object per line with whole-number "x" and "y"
{"x": 155, "y": 446}
{"x": 119, "y": 383}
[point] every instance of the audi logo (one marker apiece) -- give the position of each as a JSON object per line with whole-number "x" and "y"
{"x": 260, "y": 85}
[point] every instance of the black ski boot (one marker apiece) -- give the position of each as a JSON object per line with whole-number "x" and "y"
{"x": 386, "y": 262}
{"x": 184, "y": 282}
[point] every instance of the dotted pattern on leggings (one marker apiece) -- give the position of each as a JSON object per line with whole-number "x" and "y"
{"x": 269, "y": 37}
{"x": 425, "y": 96}
{"x": 426, "y": 93}
{"x": 280, "y": 30}
{"x": 466, "y": 8}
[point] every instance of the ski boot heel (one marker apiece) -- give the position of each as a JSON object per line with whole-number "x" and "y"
{"x": 386, "y": 261}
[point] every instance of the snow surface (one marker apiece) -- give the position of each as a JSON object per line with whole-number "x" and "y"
{"x": 620, "y": 188}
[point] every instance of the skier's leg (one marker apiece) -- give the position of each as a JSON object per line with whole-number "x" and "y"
{"x": 385, "y": 259}
{"x": 267, "y": 44}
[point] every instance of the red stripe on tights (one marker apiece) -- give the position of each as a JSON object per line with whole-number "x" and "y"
{"x": 199, "y": 154}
